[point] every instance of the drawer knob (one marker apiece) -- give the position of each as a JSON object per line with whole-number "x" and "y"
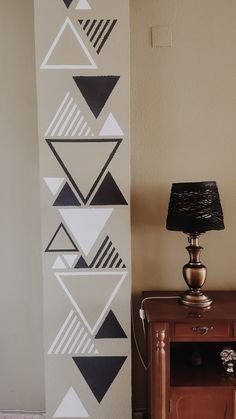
{"x": 202, "y": 330}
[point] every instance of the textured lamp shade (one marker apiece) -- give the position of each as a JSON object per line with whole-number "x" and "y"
{"x": 195, "y": 207}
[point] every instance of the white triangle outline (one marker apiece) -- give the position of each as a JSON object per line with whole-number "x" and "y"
{"x": 111, "y": 127}
{"x": 59, "y": 264}
{"x": 75, "y": 305}
{"x": 85, "y": 231}
{"x": 54, "y": 183}
{"x": 83, "y": 5}
{"x": 71, "y": 406}
{"x": 45, "y": 66}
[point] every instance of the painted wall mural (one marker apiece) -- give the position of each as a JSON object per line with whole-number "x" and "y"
{"x": 82, "y": 66}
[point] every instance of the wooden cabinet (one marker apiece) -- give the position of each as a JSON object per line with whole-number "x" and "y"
{"x": 186, "y": 376}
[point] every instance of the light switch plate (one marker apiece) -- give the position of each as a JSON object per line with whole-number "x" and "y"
{"x": 161, "y": 36}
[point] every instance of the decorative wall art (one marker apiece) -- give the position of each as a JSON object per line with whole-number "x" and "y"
{"x": 82, "y": 66}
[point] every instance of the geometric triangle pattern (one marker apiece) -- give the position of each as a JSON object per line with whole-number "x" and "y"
{"x": 83, "y": 5}
{"x": 111, "y": 328}
{"x": 99, "y": 372}
{"x": 108, "y": 193}
{"x": 66, "y": 197}
{"x": 96, "y": 90}
{"x": 61, "y": 241}
{"x": 69, "y": 45}
{"x": 67, "y": 3}
{"x": 59, "y": 264}
{"x": 86, "y": 224}
{"x": 71, "y": 406}
{"x": 70, "y": 259}
{"x": 68, "y": 121}
{"x": 80, "y": 286}
{"x": 106, "y": 257}
{"x": 110, "y": 127}
{"x": 81, "y": 264}
{"x": 72, "y": 338}
{"x": 54, "y": 183}
{"x": 98, "y": 31}
{"x": 71, "y": 155}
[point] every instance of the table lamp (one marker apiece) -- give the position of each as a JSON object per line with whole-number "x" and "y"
{"x": 195, "y": 208}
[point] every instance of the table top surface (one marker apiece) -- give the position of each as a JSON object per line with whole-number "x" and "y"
{"x": 223, "y": 307}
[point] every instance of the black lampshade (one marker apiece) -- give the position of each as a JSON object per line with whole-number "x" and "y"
{"x": 195, "y": 207}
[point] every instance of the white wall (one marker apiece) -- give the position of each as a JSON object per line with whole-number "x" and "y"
{"x": 21, "y": 342}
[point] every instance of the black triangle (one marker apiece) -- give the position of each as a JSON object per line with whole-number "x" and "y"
{"x": 111, "y": 328}
{"x": 96, "y": 90}
{"x": 108, "y": 193}
{"x": 81, "y": 264}
{"x": 67, "y": 3}
{"x": 66, "y": 197}
{"x": 62, "y": 229}
{"x": 99, "y": 372}
{"x": 81, "y": 21}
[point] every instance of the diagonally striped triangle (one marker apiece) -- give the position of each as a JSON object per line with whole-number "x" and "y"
{"x": 68, "y": 121}
{"x": 72, "y": 338}
{"x": 71, "y": 406}
{"x": 72, "y": 155}
{"x": 83, "y": 5}
{"x": 75, "y": 54}
{"x": 105, "y": 258}
{"x": 86, "y": 224}
{"x": 98, "y": 31}
{"x": 79, "y": 288}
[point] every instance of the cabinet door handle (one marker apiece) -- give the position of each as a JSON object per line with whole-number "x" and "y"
{"x": 202, "y": 330}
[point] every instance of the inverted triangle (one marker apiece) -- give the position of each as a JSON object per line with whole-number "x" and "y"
{"x": 67, "y": 3}
{"x": 99, "y": 372}
{"x": 79, "y": 288}
{"x": 96, "y": 90}
{"x": 84, "y": 161}
{"x": 70, "y": 259}
{"x": 61, "y": 241}
{"x": 54, "y": 183}
{"x": 86, "y": 224}
{"x": 68, "y": 51}
{"x": 71, "y": 406}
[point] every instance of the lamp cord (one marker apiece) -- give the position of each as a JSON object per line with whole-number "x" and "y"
{"x": 143, "y": 317}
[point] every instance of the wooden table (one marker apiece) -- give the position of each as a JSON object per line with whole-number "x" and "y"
{"x": 186, "y": 376}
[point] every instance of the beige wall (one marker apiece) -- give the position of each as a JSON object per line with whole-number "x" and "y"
{"x": 21, "y": 351}
{"x": 183, "y": 128}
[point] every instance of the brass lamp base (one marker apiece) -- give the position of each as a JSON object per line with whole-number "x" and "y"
{"x": 195, "y": 273}
{"x": 196, "y": 299}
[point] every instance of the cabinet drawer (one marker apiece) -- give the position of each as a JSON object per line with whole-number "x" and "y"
{"x": 202, "y": 330}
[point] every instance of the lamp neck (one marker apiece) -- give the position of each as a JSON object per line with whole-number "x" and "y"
{"x": 193, "y": 239}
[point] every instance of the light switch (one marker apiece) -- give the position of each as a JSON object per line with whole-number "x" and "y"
{"x": 161, "y": 36}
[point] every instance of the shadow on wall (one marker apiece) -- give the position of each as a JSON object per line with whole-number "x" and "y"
{"x": 148, "y": 218}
